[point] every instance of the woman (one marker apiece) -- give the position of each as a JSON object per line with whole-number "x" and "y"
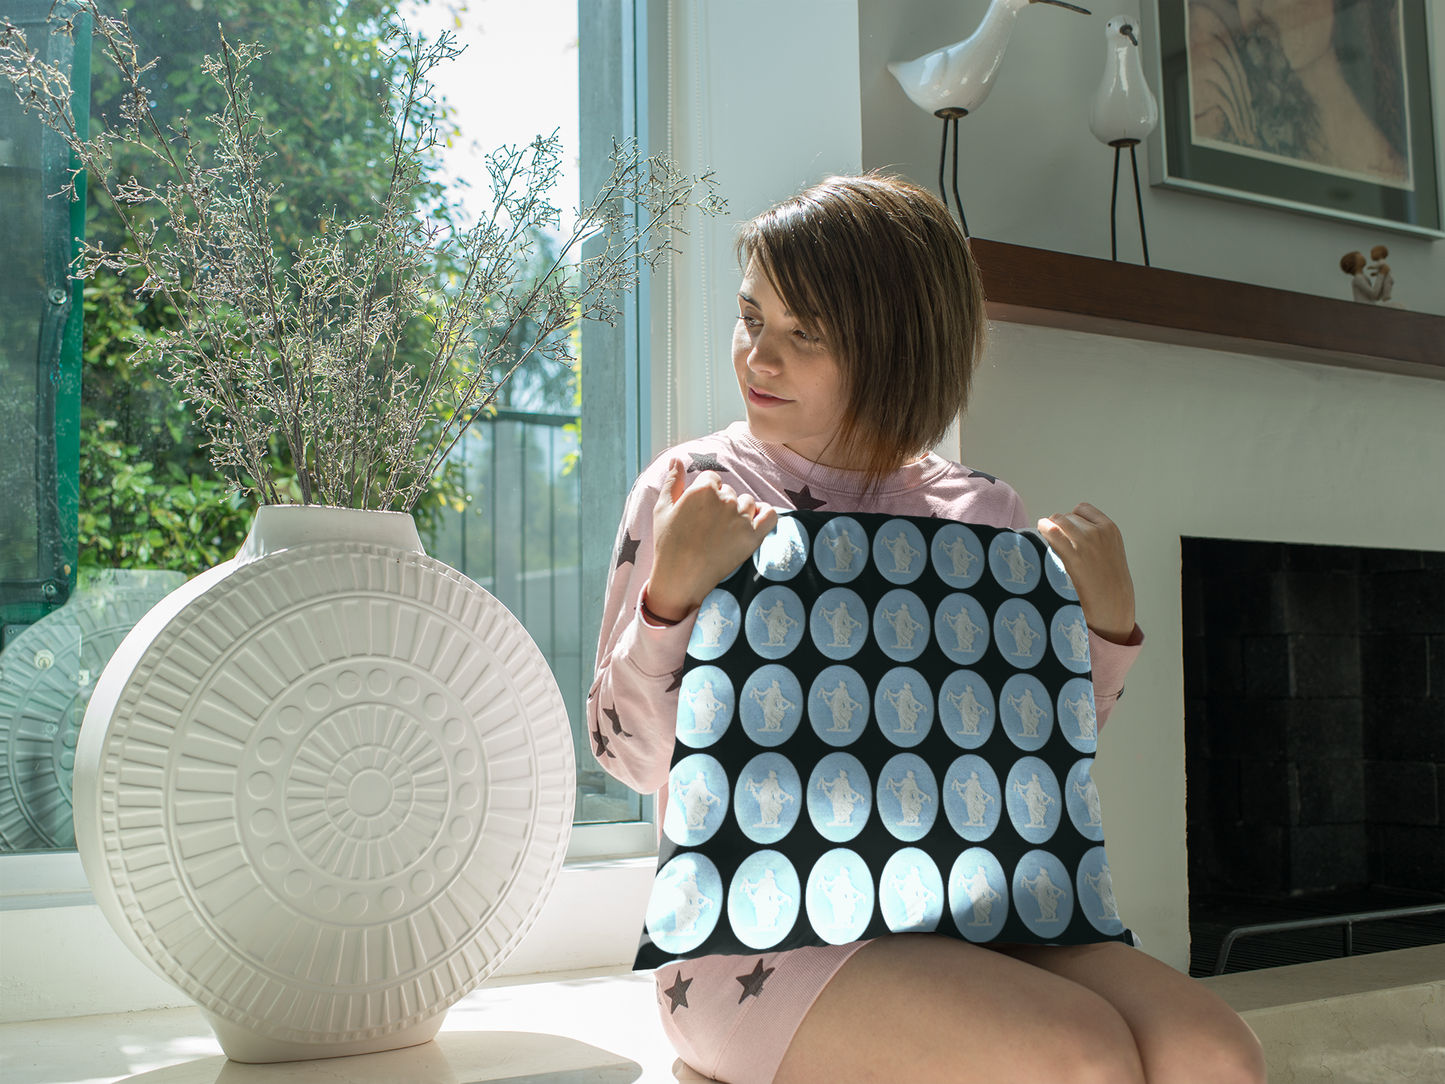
{"x": 860, "y": 323}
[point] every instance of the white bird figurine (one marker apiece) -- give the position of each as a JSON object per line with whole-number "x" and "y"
{"x": 951, "y": 83}
{"x": 962, "y": 75}
{"x": 1124, "y": 112}
{"x": 1124, "y": 106}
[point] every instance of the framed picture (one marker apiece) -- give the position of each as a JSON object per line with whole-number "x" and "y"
{"x": 1325, "y": 107}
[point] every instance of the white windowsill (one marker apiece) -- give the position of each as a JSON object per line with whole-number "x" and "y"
{"x": 29, "y": 882}
{"x": 63, "y": 960}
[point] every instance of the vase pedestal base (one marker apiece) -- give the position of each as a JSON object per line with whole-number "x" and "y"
{"x": 244, "y": 1045}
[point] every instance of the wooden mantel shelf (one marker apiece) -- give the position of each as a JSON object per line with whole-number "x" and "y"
{"x": 1057, "y": 289}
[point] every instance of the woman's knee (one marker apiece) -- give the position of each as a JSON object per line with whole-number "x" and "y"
{"x": 1211, "y": 1048}
{"x": 1093, "y": 1044}
{"x": 1228, "y": 1053}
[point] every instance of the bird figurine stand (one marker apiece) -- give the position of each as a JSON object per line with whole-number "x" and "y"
{"x": 953, "y": 82}
{"x": 954, "y": 114}
{"x": 1119, "y": 145}
{"x": 1123, "y": 113}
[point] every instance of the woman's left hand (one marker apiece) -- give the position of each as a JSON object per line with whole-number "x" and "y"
{"x": 1092, "y": 550}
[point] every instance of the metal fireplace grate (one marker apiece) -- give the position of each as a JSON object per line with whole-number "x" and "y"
{"x": 1213, "y": 916}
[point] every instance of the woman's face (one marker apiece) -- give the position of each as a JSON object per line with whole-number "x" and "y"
{"x": 791, "y": 385}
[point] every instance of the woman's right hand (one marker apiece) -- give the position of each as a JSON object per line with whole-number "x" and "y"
{"x": 700, "y": 533}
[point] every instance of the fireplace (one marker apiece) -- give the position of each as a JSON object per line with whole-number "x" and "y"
{"x": 1314, "y": 684}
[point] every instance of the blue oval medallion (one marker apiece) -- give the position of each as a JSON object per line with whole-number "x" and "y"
{"x": 705, "y": 704}
{"x": 1014, "y": 562}
{"x": 899, "y": 551}
{"x": 770, "y": 705}
{"x": 957, "y": 556}
{"x": 838, "y": 705}
{"x": 840, "y": 896}
{"x": 1035, "y": 805}
{"x": 1096, "y": 892}
{"x": 1076, "y": 714}
{"x": 1043, "y": 894}
{"x": 697, "y": 790}
{"x": 1023, "y": 708}
{"x": 910, "y": 892}
{"x": 1081, "y": 795}
{"x": 767, "y": 798}
{"x": 1021, "y": 634}
{"x": 961, "y": 626}
{"x": 716, "y": 626}
{"x": 764, "y": 899}
{"x": 783, "y": 552}
{"x": 686, "y": 898}
{"x": 1069, "y": 635}
{"x": 839, "y": 794}
{"x": 972, "y": 798}
{"x": 1058, "y": 578}
{"x": 907, "y": 797}
{"x": 978, "y": 894}
{"x": 775, "y": 622}
{"x": 841, "y": 549}
{"x": 966, "y": 709}
{"x": 903, "y": 706}
{"x": 900, "y": 625}
{"x": 839, "y": 623}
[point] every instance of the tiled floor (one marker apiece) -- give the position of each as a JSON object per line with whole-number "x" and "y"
{"x": 616, "y": 1013}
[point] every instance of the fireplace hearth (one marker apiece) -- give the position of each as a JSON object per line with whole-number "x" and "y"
{"x": 1314, "y": 683}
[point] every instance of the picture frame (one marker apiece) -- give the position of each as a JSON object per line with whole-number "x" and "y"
{"x": 1238, "y": 122}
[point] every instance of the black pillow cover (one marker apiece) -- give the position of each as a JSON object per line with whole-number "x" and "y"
{"x": 885, "y": 724}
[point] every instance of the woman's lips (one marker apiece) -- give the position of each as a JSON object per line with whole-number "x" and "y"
{"x": 763, "y": 399}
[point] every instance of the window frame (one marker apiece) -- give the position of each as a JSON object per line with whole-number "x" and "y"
{"x": 23, "y": 602}
{"x": 621, "y": 56}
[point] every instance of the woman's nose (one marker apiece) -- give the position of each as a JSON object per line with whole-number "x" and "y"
{"x": 764, "y": 354}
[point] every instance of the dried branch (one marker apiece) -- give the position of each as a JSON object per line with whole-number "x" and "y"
{"x": 308, "y": 344}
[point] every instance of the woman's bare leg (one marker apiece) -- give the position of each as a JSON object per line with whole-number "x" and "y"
{"x": 1182, "y": 1030}
{"x": 919, "y": 1007}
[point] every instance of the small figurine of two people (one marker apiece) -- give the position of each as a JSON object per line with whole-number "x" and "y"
{"x": 1378, "y": 291}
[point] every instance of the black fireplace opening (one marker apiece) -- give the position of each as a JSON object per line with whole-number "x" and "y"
{"x": 1314, "y": 722}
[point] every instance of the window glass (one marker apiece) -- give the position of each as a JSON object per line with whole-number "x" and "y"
{"x": 512, "y": 517}
{"x": 519, "y": 532}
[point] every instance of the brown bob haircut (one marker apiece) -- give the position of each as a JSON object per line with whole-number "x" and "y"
{"x": 878, "y": 268}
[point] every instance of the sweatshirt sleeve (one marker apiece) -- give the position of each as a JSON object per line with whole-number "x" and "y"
{"x": 632, "y": 704}
{"x": 1111, "y": 662}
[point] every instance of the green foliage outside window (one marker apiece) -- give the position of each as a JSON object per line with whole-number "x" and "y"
{"x": 149, "y": 496}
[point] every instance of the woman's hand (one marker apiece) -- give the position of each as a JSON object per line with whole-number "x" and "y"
{"x": 1092, "y": 549}
{"x": 700, "y": 533}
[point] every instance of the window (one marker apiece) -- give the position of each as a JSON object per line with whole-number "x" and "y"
{"x": 543, "y": 481}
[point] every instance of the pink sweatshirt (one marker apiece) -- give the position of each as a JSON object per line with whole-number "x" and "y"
{"x": 632, "y": 705}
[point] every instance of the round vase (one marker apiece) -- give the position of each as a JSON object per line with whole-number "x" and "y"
{"x": 324, "y": 788}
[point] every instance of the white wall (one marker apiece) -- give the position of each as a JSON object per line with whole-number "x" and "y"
{"x": 1030, "y": 172}
{"x": 1172, "y": 441}
{"x": 772, "y": 106}
{"x": 1169, "y": 440}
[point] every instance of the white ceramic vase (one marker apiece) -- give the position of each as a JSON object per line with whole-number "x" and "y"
{"x": 325, "y": 787}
